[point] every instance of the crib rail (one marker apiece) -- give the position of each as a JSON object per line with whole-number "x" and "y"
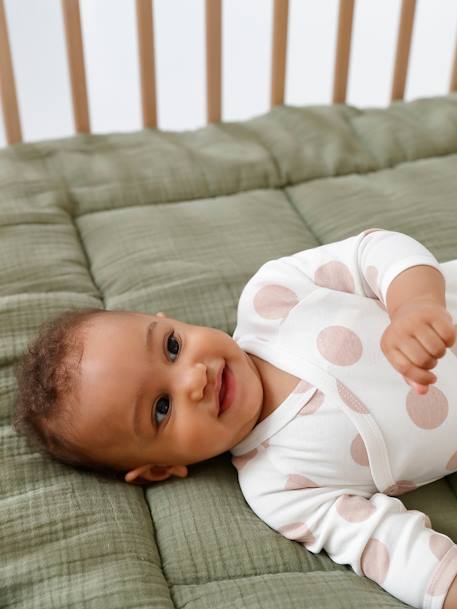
{"x": 7, "y": 85}
{"x": 75, "y": 54}
{"x": 146, "y": 57}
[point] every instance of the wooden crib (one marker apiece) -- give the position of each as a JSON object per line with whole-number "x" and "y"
{"x": 213, "y": 11}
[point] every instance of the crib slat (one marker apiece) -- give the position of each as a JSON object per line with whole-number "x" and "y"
{"x": 453, "y": 83}
{"x": 145, "y": 28}
{"x": 75, "y": 54}
{"x": 343, "y": 50}
{"x": 213, "y": 60}
{"x": 405, "y": 32}
{"x": 279, "y": 51}
{"x": 7, "y": 85}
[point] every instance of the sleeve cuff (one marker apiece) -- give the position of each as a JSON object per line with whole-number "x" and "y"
{"x": 402, "y": 265}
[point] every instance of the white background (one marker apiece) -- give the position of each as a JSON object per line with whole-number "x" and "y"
{"x": 111, "y": 58}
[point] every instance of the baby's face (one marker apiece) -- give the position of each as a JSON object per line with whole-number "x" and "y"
{"x": 150, "y": 397}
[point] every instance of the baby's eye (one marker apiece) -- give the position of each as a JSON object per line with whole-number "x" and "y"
{"x": 163, "y": 404}
{"x": 172, "y": 340}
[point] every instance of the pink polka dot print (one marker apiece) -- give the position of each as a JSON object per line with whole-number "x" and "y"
{"x": 240, "y": 461}
{"x": 439, "y": 545}
{"x": 354, "y": 508}
{"x": 351, "y": 399}
{"x": 315, "y": 402}
{"x": 298, "y": 531}
{"x": 274, "y": 301}
{"x": 375, "y": 560}
{"x": 339, "y": 345}
{"x": 336, "y": 276}
{"x": 444, "y": 575}
{"x": 359, "y": 452}
{"x": 296, "y": 481}
{"x": 400, "y": 487}
{"x": 429, "y": 410}
{"x": 452, "y": 463}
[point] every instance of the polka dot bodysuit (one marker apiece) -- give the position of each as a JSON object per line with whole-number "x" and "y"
{"x": 325, "y": 467}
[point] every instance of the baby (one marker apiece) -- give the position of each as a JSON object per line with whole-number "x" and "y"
{"x": 323, "y": 396}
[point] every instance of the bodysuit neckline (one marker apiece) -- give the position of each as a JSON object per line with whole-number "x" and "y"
{"x": 275, "y": 421}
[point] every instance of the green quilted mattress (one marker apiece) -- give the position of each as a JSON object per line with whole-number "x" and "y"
{"x": 178, "y": 222}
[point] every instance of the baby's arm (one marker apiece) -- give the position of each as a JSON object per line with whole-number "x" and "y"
{"x": 421, "y": 282}
{"x": 421, "y": 328}
{"x": 391, "y": 266}
{"x": 365, "y": 264}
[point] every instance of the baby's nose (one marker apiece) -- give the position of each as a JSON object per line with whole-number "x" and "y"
{"x": 198, "y": 381}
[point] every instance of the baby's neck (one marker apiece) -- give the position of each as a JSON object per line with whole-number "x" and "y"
{"x": 277, "y": 385}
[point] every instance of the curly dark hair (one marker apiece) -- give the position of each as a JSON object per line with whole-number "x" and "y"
{"x": 46, "y": 373}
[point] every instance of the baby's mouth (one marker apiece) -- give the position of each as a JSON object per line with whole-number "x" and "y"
{"x": 222, "y": 390}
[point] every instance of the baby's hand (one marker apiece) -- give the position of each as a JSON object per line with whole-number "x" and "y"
{"x": 418, "y": 335}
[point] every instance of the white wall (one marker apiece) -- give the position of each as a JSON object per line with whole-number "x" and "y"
{"x": 109, "y": 33}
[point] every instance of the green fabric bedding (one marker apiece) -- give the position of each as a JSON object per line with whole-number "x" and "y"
{"x": 178, "y": 222}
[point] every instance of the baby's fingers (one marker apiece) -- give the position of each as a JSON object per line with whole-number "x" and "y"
{"x": 413, "y": 349}
{"x": 410, "y": 370}
{"x": 445, "y": 328}
{"x": 420, "y": 389}
{"x": 432, "y": 347}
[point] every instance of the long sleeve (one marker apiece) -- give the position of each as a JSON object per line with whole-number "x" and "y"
{"x": 374, "y": 534}
{"x": 364, "y": 264}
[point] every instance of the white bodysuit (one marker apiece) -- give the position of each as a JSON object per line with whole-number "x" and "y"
{"x": 321, "y": 469}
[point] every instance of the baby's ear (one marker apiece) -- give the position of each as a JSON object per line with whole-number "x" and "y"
{"x": 145, "y": 474}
